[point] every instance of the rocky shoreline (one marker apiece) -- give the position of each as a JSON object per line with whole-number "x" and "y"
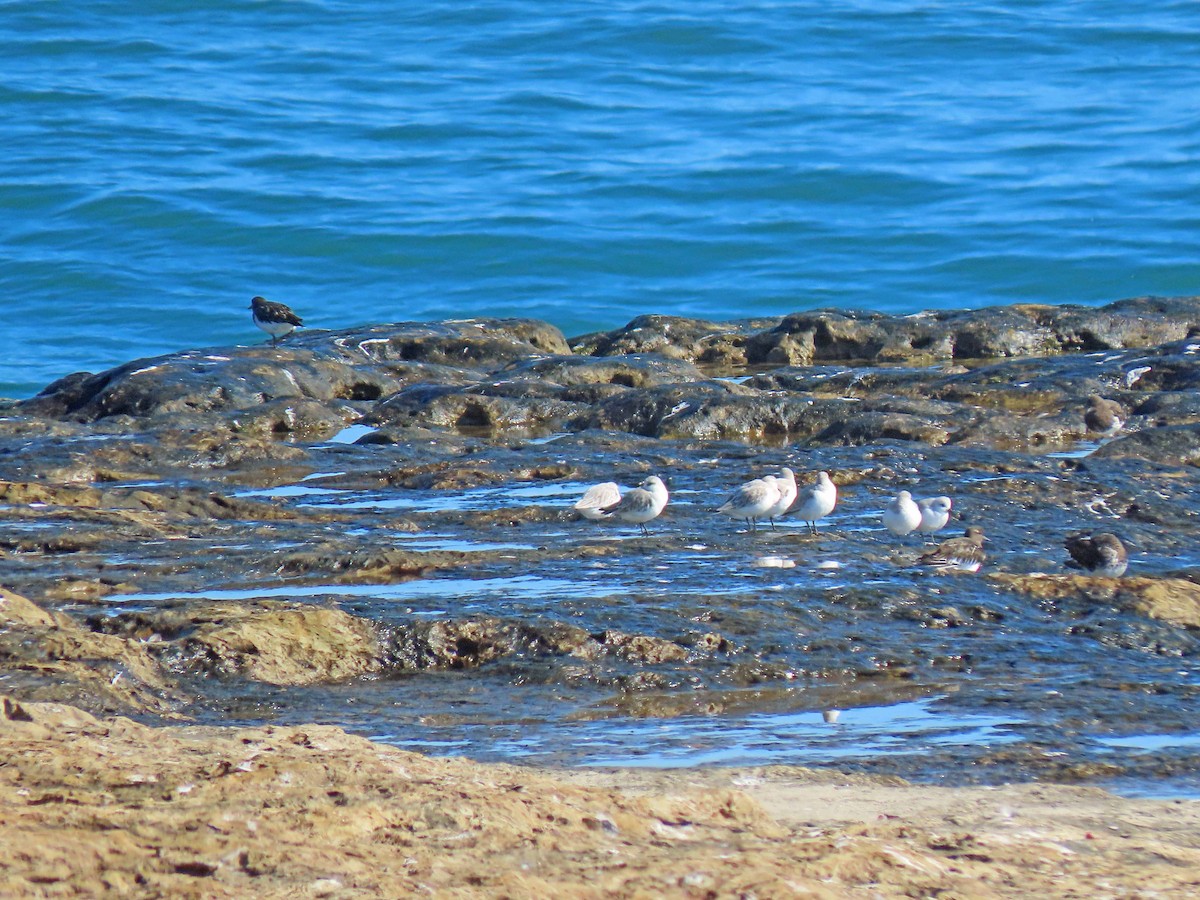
{"x": 224, "y": 534}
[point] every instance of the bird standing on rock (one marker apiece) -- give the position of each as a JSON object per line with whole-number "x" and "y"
{"x": 1101, "y": 554}
{"x": 902, "y": 515}
{"x": 786, "y": 482}
{"x": 816, "y": 501}
{"x": 935, "y": 513}
{"x": 596, "y": 498}
{"x": 752, "y": 500}
{"x": 275, "y": 319}
{"x": 640, "y": 505}
{"x": 1102, "y": 416}
{"x": 960, "y": 554}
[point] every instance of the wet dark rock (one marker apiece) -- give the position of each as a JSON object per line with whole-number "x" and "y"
{"x": 191, "y": 382}
{"x": 305, "y": 420}
{"x": 367, "y": 566}
{"x": 674, "y": 337}
{"x": 871, "y": 426}
{"x": 518, "y": 376}
{"x": 284, "y": 644}
{"x": 351, "y": 366}
{"x": 483, "y": 407}
{"x": 1169, "y": 407}
{"x": 183, "y": 503}
{"x": 51, "y": 658}
{"x": 711, "y": 409}
{"x": 470, "y": 643}
{"x": 281, "y": 646}
{"x": 827, "y": 335}
{"x": 934, "y": 617}
{"x": 1175, "y": 445}
{"x": 1021, "y": 432}
{"x": 480, "y": 344}
{"x": 1172, "y": 600}
{"x": 629, "y": 371}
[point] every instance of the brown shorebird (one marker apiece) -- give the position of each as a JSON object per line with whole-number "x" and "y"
{"x": 1102, "y": 416}
{"x": 1100, "y": 554}
{"x": 960, "y": 554}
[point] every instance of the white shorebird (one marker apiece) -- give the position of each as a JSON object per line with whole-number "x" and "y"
{"x": 786, "y": 482}
{"x": 752, "y": 500}
{"x": 935, "y": 513}
{"x": 960, "y": 554}
{"x": 1101, "y": 554}
{"x": 640, "y": 505}
{"x": 816, "y": 501}
{"x": 597, "y": 498}
{"x": 902, "y": 516}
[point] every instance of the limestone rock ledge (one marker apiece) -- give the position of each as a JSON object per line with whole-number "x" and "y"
{"x": 112, "y": 808}
{"x": 1173, "y": 600}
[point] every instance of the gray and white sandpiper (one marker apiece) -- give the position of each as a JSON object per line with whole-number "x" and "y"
{"x": 1100, "y": 554}
{"x": 935, "y": 513}
{"x": 1103, "y": 416}
{"x": 752, "y": 500}
{"x": 815, "y": 501}
{"x": 639, "y": 505}
{"x": 786, "y": 482}
{"x": 902, "y": 515}
{"x": 960, "y": 554}
{"x": 596, "y": 498}
{"x": 275, "y": 319}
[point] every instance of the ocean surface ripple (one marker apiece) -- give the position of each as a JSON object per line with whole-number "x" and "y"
{"x": 579, "y": 163}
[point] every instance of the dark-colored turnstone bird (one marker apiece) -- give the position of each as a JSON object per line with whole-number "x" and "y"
{"x": 935, "y": 513}
{"x": 1100, "y": 554}
{"x": 902, "y": 515}
{"x": 640, "y": 505}
{"x": 596, "y": 498}
{"x": 1102, "y": 416}
{"x": 752, "y": 500}
{"x": 275, "y": 319}
{"x": 816, "y": 501}
{"x": 960, "y": 554}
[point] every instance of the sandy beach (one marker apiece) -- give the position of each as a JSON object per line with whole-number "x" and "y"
{"x": 111, "y": 808}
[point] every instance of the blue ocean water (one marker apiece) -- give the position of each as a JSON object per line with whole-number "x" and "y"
{"x": 578, "y": 162}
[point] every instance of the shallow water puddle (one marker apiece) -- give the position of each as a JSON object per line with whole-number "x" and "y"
{"x": 523, "y": 586}
{"x": 1150, "y": 743}
{"x": 290, "y": 490}
{"x": 430, "y": 543}
{"x": 800, "y": 738}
